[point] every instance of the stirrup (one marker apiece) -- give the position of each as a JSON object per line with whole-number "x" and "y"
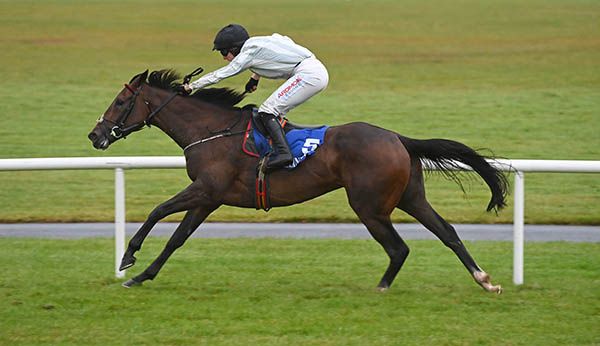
{"x": 278, "y": 161}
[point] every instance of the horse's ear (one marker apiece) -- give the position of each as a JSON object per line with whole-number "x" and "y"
{"x": 144, "y": 76}
{"x": 138, "y": 78}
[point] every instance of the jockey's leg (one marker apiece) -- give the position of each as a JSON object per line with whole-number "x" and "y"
{"x": 282, "y": 156}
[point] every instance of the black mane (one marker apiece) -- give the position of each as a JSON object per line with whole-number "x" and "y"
{"x": 168, "y": 79}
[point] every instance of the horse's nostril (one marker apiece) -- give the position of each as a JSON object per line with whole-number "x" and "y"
{"x": 92, "y": 136}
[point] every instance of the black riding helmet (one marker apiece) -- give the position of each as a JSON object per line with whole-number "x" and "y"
{"x": 231, "y": 36}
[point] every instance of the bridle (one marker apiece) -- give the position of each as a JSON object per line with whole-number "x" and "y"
{"x": 118, "y": 129}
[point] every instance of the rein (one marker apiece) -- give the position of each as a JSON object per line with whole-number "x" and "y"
{"x": 219, "y": 134}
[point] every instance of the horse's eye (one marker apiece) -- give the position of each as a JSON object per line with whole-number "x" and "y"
{"x": 119, "y": 103}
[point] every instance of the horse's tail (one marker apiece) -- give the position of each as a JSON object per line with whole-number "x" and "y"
{"x": 444, "y": 155}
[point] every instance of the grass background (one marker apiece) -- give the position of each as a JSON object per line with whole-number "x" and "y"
{"x": 296, "y": 292}
{"x": 521, "y": 78}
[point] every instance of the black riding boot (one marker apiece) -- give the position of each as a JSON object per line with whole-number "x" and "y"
{"x": 282, "y": 155}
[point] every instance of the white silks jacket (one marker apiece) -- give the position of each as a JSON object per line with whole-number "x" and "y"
{"x": 274, "y": 57}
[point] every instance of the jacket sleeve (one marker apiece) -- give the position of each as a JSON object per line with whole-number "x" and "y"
{"x": 237, "y": 65}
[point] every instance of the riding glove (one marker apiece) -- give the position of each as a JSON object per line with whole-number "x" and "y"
{"x": 251, "y": 85}
{"x": 183, "y": 89}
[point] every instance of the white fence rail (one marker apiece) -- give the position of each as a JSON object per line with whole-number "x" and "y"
{"x": 518, "y": 167}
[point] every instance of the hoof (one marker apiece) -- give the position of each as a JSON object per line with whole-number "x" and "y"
{"x": 492, "y": 288}
{"x": 483, "y": 279}
{"x": 130, "y": 283}
{"x": 382, "y": 288}
{"x": 127, "y": 262}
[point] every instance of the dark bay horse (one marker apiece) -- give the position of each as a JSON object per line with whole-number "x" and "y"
{"x": 379, "y": 169}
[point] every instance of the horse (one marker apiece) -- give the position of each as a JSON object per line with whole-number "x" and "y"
{"x": 379, "y": 169}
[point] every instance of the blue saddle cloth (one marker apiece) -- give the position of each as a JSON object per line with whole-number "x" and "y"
{"x": 303, "y": 143}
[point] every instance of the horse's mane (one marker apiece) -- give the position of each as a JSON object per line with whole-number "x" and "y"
{"x": 168, "y": 79}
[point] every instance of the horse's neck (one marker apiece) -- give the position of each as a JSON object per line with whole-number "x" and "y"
{"x": 187, "y": 121}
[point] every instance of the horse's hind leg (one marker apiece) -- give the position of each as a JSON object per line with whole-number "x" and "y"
{"x": 188, "y": 225}
{"x": 383, "y": 231}
{"x": 414, "y": 203}
{"x": 187, "y": 199}
{"x": 436, "y": 224}
{"x": 380, "y": 226}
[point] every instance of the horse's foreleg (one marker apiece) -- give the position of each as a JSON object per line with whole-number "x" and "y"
{"x": 187, "y": 199}
{"x": 188, "y": 225}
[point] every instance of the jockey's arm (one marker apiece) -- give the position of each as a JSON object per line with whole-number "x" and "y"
{"x": 237, "y": 65}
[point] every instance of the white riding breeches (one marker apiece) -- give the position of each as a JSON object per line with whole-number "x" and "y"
{"x": 310, "y": 77}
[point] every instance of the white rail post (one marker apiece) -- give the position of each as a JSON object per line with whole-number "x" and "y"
{"x": 119, "y": 220}
{"x": 518, "y": 227}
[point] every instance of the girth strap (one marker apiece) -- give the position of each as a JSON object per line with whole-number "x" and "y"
{"x": 262, "y": 187}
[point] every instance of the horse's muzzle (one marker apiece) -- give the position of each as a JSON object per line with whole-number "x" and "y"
{"x": 99, "y": 140}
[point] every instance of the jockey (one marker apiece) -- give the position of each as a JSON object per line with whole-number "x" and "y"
{"x": 276, "y": 57}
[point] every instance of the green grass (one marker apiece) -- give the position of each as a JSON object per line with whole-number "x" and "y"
{"x": 298, "y": 292}
{"x": 521, "y": 78}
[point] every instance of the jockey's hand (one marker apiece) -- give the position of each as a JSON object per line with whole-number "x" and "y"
{"x": 184, "y": 89}
{"x": 251, "y": 85}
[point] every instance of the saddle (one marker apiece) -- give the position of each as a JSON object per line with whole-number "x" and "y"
{"x": 303, "y": 142}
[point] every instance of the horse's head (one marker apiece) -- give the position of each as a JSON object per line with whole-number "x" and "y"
{"x": 126, "y": 114}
